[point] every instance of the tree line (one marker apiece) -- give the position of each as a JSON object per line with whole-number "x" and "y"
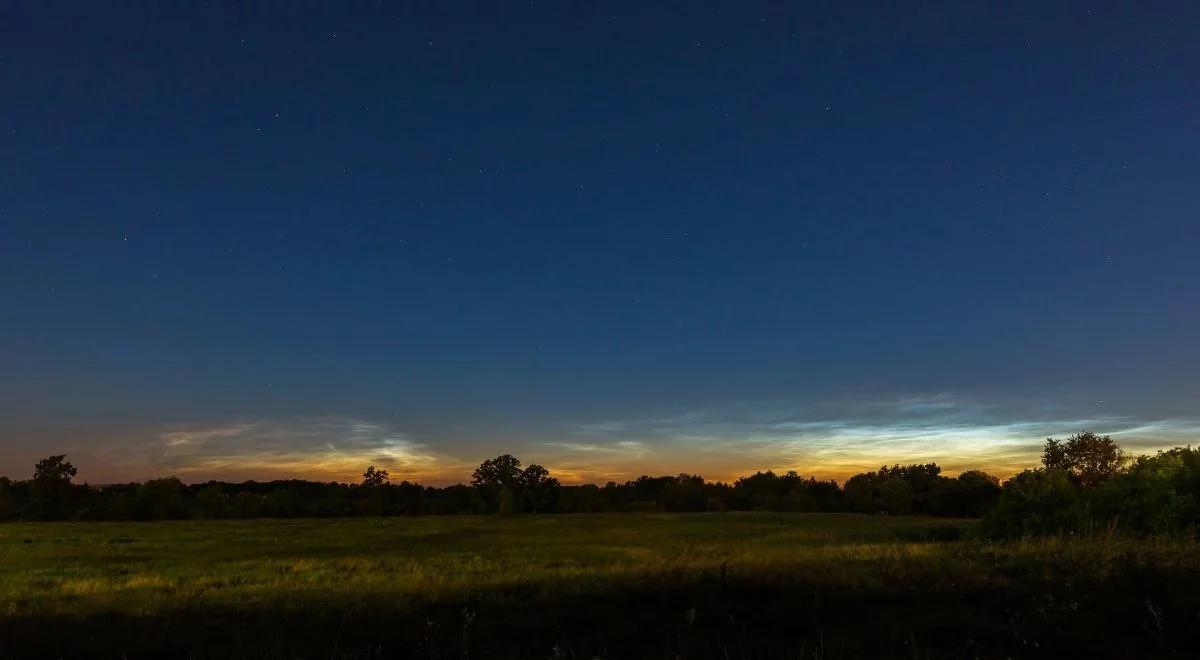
{"x": 501, "y": 485}
{"x": 1086, "y": 483}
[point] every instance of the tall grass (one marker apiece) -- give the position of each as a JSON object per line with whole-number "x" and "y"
{"x": 328, "y": 570}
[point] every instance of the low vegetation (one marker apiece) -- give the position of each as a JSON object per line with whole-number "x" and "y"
{"x": 715, "y": 585}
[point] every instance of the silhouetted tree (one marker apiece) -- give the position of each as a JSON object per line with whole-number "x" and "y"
{"x": 373, "y": 477}
{"x": 1086, "y": 457}
{"x": 891, "y": 490}
{"x": 54, "y": 470}
{"x": 763, "y": 491}
{"x": 1084, "y": 487}
{"x": 502, "y": 483}
{"x": 828, "y": 494}
{"x": 685, "y": 493}
{"x": 920, "y": 479}
{"x": 1037, "y": 502}
{"x": 860, "y": 493}
{"x": 1155, "y": 495}
{"x": 504, "y": 470}
{"x": 538, "y": 489}
{"x": 767, "y": 491}
{"x": 51, "y": 491}
{"x": 979, "y": 491}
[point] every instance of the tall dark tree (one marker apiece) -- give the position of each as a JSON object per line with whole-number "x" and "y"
{"x": 51, "y": 490}
{"x": 504, "y": 470}
{"x": 535, "y": 475}
{"x": 500, "y": 482}
{"x": 374, "y": 485}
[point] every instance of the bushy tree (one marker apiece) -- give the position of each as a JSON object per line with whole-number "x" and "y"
{"x": 495, "y": 480}
{"x": 51, "y": 492}
{"x": 1088, "y": 486}
{"x": 54, "y": 469}
{"x": 896, "y": 490}
{"x": 979, "y": 492}
{"x": 504, "y": 484}
{"x": 1156, "y": 495}
{"x": 504, "y": 470}
{"x": 1088, "y": 459}
{"x": 374, "y": 478}
{"x": 970, "y": 495}
{"x": 685, "y": 493}
{"x": 768, "y": 491}
{"x": 920, "y": 479}
{"x": 1036, "y": 503}
{"x": 827, "y": 494}
{"x": 538, "y": 489}
{"x": 860, "y": 493}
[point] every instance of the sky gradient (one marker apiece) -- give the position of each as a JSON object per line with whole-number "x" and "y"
{"x": 615, "y": 239}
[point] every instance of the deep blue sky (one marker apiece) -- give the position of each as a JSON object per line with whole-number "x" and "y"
{"x": 614, "y": 237}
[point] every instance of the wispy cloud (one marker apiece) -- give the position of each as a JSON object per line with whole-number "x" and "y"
{"x": 322, "y": 448}
{"x": 588, "y": 462}
{"x": 825, "y": 438}
{"x": 838, "y": 438}
{"x": 624, "y": 448}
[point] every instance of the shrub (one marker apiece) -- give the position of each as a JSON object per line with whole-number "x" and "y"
{"x": 1037, "y": 502}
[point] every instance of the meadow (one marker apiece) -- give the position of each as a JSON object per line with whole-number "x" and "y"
{"x": 720, "y": 585}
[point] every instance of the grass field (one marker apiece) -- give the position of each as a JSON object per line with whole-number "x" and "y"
{"x": 660, "y": 586}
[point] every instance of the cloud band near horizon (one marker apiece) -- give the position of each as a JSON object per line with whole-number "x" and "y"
{"x": 828, "y": 439}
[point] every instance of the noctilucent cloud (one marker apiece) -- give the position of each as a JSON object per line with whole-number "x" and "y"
{"x": 611, "y": 237}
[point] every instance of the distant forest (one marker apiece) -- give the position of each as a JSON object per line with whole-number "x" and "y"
{"x": 1086, "y": 484}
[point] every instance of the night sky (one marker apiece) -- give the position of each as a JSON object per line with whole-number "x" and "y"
{"x": 611, "y": 237}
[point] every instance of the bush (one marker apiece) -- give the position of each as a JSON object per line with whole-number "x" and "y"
{"x": 1157, "y": 494}
{"x": 1037, "y": 502}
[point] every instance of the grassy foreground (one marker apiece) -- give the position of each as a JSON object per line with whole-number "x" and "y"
{"x": 658, "y": 586}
